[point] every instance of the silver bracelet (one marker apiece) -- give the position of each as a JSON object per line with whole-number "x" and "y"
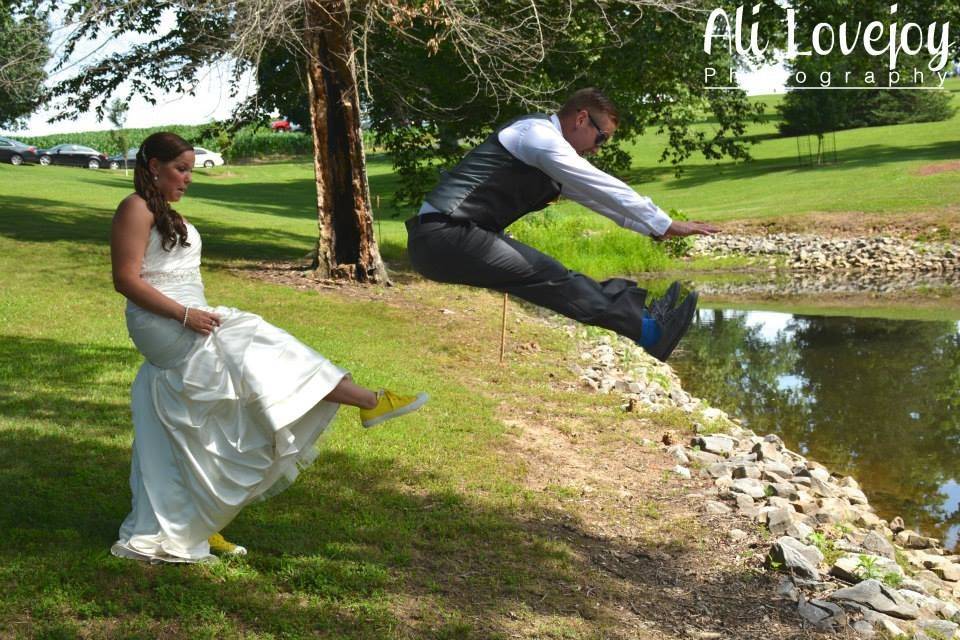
{"x": 186, "y": 311}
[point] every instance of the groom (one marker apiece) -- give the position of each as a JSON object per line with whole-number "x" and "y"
{"x": 523, "y": 166}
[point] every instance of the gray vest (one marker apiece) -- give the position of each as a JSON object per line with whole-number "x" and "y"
{"x": 492, "y": 188}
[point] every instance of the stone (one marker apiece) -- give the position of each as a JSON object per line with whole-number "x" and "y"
{"x": 787, "y": 589}
{"x": 718, "y": 470}
{"x": 833, "y": 510}
{"x": 703, "y": 457}
{"x": 746, "y": 471}
{"x": 783, "y": 490}
{"x": 822, "y": 615}
{"x": 848, "y": 482}
{"x": 767, "y": 451}
{"x": 736, "y": 535}
{"x": 879, "y": 597}
{"x": 867, "y": 519}
{"x": 947, "y": 572}
{"x": 743, "y": 501}
{"x": 784, "y": 522}
{"x": 796, "y": 557}
{"x": 682, "y": 471}
{"x": 939, "y": 628}
{"x": 780, "y": 503}
{"x": 719, "y": 445}
{"x": 823, "y": 489}
{"x": 679, "y": 454}
{"x": 884, "y": 623}
{"x": 776, "y": 471}
{"x": 852, "y": 567}
{"x": 855, "y": 496}
{"x": 863, "y": 629}
{"x": 715, "y": 508}
{"x": 877, "y": 544}
{"x": 749, "y": 486}
{"x": 916, "y": 541}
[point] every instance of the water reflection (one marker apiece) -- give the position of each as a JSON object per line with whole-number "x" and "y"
{"x": 874, "y": 398}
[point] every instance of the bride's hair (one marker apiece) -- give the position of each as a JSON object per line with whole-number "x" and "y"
{"x": 163, "y": 146}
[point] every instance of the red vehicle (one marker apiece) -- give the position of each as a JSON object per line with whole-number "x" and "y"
{"x": 281, "y": 125}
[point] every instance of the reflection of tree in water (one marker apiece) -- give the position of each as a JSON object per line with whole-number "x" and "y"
{"x": 878, "y": 399}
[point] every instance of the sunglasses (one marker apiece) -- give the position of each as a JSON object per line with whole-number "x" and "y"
{"x": 602, "y": 136}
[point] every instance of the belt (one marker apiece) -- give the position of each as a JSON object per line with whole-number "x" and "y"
{"x": 434, "y": 216}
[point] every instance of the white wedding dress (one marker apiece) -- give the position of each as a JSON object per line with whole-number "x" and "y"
{"x": 219, "y": 420}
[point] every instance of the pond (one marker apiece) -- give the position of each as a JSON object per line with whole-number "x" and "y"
{"x": 874, "y": 398}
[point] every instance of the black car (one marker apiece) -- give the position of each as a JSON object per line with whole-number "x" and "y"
{"x": 73, "y": 155}
{"x": 116, "y": 161}
{"x": 16, "y": 152}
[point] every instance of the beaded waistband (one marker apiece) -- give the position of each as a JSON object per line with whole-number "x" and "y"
{"x": 177, "y": 276}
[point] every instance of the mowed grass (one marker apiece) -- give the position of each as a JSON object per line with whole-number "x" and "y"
{"x": 877, "y": 171}
{"x": 418, "y": 529}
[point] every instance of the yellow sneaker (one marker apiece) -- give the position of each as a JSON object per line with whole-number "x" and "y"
{"x": 390, "y": 405}
{"x": 220, "y": 546}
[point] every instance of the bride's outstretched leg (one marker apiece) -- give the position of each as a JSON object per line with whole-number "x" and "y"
{"x": 349, "y": 392}
{"x": 375, "y": 406}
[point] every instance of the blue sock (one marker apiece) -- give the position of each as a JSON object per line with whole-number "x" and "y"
{"x": 649, "y": 333}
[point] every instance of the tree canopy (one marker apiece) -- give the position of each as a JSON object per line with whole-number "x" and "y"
{"x": 23, "y": 55}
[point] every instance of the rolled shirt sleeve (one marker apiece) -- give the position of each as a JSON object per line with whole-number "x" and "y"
{"x": 541, "y": 144}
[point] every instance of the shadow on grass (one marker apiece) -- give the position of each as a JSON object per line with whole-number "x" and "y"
{"x": 365, "y": 545}
{"x": 45, "y": 220}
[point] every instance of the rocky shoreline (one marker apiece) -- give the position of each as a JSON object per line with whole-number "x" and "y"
{"x": 844, "y": 567}
{"x": 809, "y": 253}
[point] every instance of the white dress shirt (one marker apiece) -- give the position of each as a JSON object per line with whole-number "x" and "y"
{"x": 540, "y": 143}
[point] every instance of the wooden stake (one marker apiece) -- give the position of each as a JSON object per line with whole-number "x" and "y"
{"x": 503, "y": 327}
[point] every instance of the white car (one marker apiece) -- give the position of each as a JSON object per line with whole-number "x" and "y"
{"x": 207, "y": 158}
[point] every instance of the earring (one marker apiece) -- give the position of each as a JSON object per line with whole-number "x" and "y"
{"x": 155, "y": 177}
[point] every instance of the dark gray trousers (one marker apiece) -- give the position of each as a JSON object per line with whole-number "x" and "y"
{"x": 463, "y": 253}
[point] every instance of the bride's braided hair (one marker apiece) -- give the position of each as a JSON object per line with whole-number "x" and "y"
{"x": 164, "y": 147}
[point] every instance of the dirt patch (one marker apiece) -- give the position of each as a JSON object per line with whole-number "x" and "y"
{"x": 938, "y": 225}
{"x": 937, "y": 167}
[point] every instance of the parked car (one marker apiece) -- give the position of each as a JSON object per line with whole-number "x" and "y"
{"x": 73, "y": 155}
{"x": 116, "y": 161}
{"x": 16, "y": 152}
{"x": 207, "y": 158}
{"x": 280, "y": 125}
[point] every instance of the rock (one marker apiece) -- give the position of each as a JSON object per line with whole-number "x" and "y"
{"x": 776, "y": 471}
{"x": 822, "y": 489}
{"x": 703, "y": 457}
{"x": 750, "y": 487}
{"x": 678, "y": 453}
{"x": 787, "y": 589}
{"x": 877, "y": 544}
{"x": 715, "y": 508}
{"x": 682, "y": 471}
{"x": 884, "y": 623}
{"x": 718, "y": 470}
{"x": 767, "y": 451}
{"x": 833, "y": 510}
{"x": 879, "y": 597}
{"x": 863, "y": 629}
{"x": 854, "y": 567}
{"x": 855, "y": 496}
{"x": 736, "y": 535}
{"x": 743, "y": 501}
{"x": 746, "y": 471}
{"x": 867, "y": 519}
{"x": 939, "y": 628}
{"x": 848, "y": 482}
{"x": 916, "y": 541}
{"x": 783, "y": 490}
{"x": 784, "y": 522}
{"x": 796, "y": 557}
{"x": 947, "y": 572}
{"x": 719, "y": 445}
{"x": 822, "y": 615}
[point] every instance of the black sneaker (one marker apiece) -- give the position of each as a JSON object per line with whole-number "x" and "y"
{"x": 673, "y": 326}
{"x": 665, "y": 304}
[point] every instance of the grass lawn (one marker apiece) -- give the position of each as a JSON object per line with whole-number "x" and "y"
{"x": 422, "y": 528}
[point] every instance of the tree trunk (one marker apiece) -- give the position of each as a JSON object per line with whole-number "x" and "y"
{"x": 346, "y": 247}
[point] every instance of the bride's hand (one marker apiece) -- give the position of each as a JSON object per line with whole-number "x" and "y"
{"x": 203, "y": 322}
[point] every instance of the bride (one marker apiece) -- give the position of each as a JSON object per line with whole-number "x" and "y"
{"x": 227, "y": 407}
